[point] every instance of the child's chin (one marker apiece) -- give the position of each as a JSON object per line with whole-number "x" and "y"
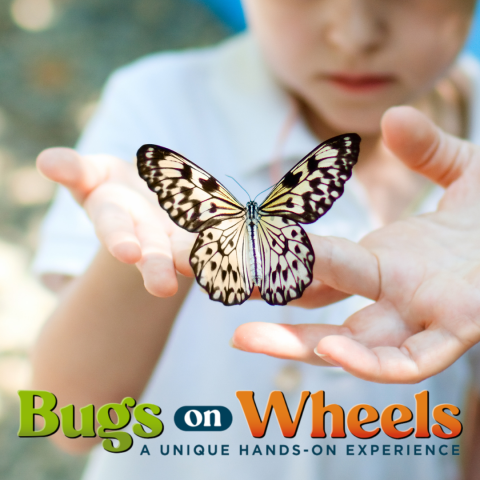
{"x": 364, "y": 122}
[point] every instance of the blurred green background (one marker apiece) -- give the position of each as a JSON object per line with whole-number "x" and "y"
{"x": 55, "y": 55}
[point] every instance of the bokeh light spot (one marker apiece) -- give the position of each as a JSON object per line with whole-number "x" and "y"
{"x": 50, "y": 74}
{"x": 33, "y": 15}
{"x": 28, "y": 187}
{"x": 15, "y": 374}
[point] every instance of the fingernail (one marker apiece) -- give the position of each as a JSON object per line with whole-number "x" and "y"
{"x": 315, "y": 351}
{"x": 230, "y": 342}
{"x": 325, "y": 357}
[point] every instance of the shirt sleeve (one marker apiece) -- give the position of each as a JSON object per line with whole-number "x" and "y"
{"x": 67, "y": 238}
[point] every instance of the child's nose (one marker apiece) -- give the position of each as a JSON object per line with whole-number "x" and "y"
{"x": 354, "y": 26}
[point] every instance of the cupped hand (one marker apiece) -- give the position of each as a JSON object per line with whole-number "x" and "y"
{"x": 423, "y": 274}
{"x": 126, "y": 215}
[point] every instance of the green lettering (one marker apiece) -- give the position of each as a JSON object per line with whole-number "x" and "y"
{"x": 87, "y": 415}
{"x": 147, "y": 420}
{"x": 28, "y": 412}
{"x": 123, "y": 419}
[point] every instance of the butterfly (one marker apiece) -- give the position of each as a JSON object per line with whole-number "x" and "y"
{"x": 240, "y": 247}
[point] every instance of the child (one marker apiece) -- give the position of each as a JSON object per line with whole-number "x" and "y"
{"x": 307, "y": 71}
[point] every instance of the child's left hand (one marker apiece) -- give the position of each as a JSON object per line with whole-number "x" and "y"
{"x": 423, "y": 274}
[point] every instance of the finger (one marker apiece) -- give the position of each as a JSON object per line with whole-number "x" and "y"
{"x": 182, "y": 243}
{"x": 392, "y": 364}
{"x": 342, "y": 268}
{"x": 424, "y": 147}
{"x": 411, "y": 359}
{"x": 157, "y": 262}
{"x": 255, "y": 295}
{"x": 80, "y": 174}
{"x": 345, "y": 266}
{"x": 316, "y": 295}
{"x": 116, "y": 230}
{"x": 291, "y": 342}
{"x": 135, "y": 231}
{"x": 110, "y": 208}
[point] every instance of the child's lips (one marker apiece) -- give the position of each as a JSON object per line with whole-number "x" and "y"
{"x": 359, "y": 83}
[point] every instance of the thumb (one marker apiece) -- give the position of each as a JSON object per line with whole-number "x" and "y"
{"x": 424, "y": 147}
{"x": 80, "y": 174}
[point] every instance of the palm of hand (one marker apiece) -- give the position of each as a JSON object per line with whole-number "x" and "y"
{"x": 427, "y": 305}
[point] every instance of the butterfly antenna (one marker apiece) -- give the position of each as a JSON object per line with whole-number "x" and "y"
{"x": 269, "y": 188}
{"x": 240, "y": 186}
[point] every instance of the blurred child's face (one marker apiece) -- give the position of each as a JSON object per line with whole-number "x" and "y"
{"x": 349, "y": 60}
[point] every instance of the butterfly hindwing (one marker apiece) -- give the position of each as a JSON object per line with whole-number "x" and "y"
{"x": 287, "y": 259}
{"x": 309, "y": 189}
{"x": 220, "y": 261}
{"x": 193, "y": 199}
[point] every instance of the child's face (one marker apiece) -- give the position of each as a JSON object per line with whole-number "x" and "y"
{"x": 350, "y": 60}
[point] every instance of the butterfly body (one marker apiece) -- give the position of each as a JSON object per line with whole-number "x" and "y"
{"x": 241, "y": 247}
{"x": 254, "y": 255}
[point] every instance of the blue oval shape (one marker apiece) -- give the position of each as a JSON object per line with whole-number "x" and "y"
{"x": 203, "y": 418}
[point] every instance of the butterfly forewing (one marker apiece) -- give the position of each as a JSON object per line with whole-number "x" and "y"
{"x": 287, "y": 259}
{"x": 219, "y": 260}
{"x": 309, "y": 189}
{"x": 194, "y": 199}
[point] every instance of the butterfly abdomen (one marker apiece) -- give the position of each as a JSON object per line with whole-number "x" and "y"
{"x": 255, "y": 261}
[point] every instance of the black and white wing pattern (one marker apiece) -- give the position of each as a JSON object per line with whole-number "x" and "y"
{"x": 303, "y": 195}
{"x": 197, "y": 202}
{"x": 240, "y": 247}
{"x": 220, "y": 260}
{"x": 309, "y": 189}
{"x": 287, "y": 259}
{"x": 193, "y": 199}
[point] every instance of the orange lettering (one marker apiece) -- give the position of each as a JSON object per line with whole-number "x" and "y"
{"x": 355, "y": 424}
{"x": 445, "y": 420}
{"x": 277, "y": 402}
{"x": 389, "y": 424}
{"x": 422, "y": 414}
{"x": 318, "y": 417}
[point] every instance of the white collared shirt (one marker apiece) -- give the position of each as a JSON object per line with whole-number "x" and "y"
{"x": 221, "y": 108}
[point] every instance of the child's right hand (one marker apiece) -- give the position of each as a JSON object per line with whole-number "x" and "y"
{"x": 422, "y": 272}
{"x": 125, "y": 214}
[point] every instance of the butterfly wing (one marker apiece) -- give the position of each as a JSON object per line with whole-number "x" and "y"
{"x": 287, "y": 259}
{"x": 309, "y": 189}
{"x": 220, "y": 260}
{"x": 197, "y": 202}
{"x": 193, "y": 199}
{"x": 303, "y": 195}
